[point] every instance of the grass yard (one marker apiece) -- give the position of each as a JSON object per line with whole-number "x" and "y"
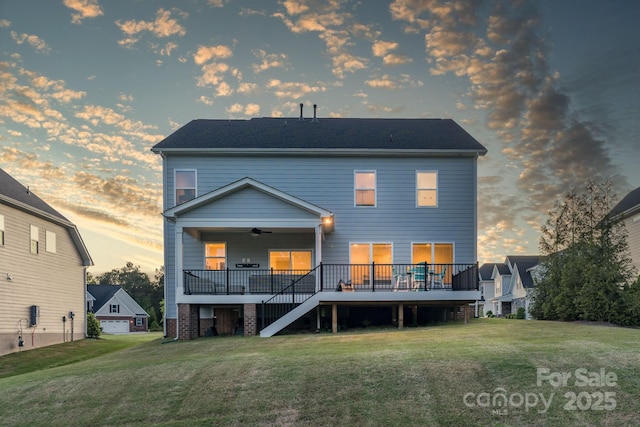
{"x": 484, "y": 373}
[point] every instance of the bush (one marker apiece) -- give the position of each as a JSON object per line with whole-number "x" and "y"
{"x": 521, "y": 313}
{"x": 93, "y": 326}
{"x": 490, "y": 313}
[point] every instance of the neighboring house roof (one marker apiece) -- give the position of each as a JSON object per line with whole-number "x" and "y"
{"x": 628, "y": 205}
{"x": 109, "y": 294}
{"x": 486, "y": 270}
{"x": 524, "y": 264}
{"x": 326, "y": 134}
{"x": 20, "y": 197}
{"x": 503, "y": 269}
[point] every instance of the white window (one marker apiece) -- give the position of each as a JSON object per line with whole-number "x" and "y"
{"x": 114, "y": 308}
{"x": 427, "y": 189}
{"x": 138, "y": 321}
{"x": 34, "y": 240}
{"x": 215, "y": 256}
{"x": 50, "y": 241}
{"x": 365, "y": 188}
{"x": 290, "y": 260}
{"x": 1, "y": 230}
{"x": 185, "y": 181}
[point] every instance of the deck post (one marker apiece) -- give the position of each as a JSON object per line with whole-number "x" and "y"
{"x": 400, "y": 316}
{"x": 334, "y": 318}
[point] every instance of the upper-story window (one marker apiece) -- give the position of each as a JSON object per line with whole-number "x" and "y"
{"x": 290, "y": 260}
{"x": 50, "y": 241}
{"x": 185, "y": 183}
{"x": 365, "y": 188}
{"x": 215, "y": 256}
{"x": 35, "y": 244}
{"x": 114, "y": 308}
{"x": 1, "y": 230}
{"x": 427, "y": 188}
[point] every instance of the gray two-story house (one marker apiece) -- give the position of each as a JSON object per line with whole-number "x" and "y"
{"x": 325, "y": 223}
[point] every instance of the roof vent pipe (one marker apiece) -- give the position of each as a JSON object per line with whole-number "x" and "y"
{"x": 315, "y": 119}
{"x": 301, "y": 105}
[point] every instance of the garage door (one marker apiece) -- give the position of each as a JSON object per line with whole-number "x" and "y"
{"x": 114, "y": 326}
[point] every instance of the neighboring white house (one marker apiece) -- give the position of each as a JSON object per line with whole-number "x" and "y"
{"x": 264, "y": 218}
{"x": 628, "y": 210}
{"x": 43, "y": 264}
{"x": 509, "y": 285}
{"x": 117, "y": 312}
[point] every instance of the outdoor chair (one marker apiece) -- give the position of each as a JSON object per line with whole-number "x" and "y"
{"x": 438, "y": 278}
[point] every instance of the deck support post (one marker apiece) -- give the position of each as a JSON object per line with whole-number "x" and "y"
{"x": 334, "y": 318}
{"x": 414, "y": 315}
{"x": 400, "y": 316}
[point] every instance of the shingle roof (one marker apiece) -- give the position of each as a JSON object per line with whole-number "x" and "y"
{"x": 324, "y": 134}
{"x": 102, "y": 294}
{"x": 486, "y": 270}
{"x": 628, "y": 202}
{"x": 12, "y": 189}
{"x": 524, "y": 263}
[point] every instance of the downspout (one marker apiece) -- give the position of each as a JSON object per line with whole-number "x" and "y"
{"x": 85, "y": 302}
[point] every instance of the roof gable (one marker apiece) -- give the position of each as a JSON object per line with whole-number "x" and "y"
{"x": 331, "y": 134}
{"x": 106, "y": 295}
{"x": 628, "y": 205}
{"x": 20, "y": 197}
{"x": 238, "y": 186}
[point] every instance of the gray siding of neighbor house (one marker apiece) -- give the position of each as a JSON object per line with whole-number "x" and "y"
{"x": 328, "y": 182}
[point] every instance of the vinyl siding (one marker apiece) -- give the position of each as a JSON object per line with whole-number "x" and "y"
{"x": 633, "y": 239}
{"x": 328, "y": 182}
{"x": 53, "y": 281}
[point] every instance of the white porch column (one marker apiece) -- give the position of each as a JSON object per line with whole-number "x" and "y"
{"x": 318, "y": 252}
{"x": 179, "y": 262}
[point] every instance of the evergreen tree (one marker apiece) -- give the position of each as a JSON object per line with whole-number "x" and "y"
{"x": 587, "y": 263}
{"x": 93, "y": 326}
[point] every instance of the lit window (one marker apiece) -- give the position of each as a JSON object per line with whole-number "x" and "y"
{"x": 290, "y": 260}
{"x": 185, "y": 185}
{"x": 427, "y": 189}
{"x": 34, "y": 240}
{"x": 363, "y": 254}
{"x": 215, "y": 256}
{"x": 365, "y": 188}
{"x": 50, "y": 242}
{"x": 1, "y": 230}
{"x": 114, "y": 308}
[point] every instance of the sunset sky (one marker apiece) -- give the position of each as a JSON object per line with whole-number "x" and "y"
{"x": 550, "y": 87}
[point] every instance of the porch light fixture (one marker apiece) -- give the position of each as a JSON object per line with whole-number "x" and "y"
{"x": 9, "y": 277}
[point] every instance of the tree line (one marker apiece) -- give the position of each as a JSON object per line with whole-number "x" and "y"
{"x": 586, "y": 272}
{"x": 147, "y": 292}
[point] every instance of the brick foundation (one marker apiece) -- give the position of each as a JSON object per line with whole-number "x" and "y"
{"x": 171, "y": 327}
{"x": 250, "y": 320}
{"x": 187, "y": 321}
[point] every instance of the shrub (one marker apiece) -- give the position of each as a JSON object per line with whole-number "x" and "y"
{"x": 93, "y": 326}
{"x": 521, "y": 313}
{"x": 490, "y": 313}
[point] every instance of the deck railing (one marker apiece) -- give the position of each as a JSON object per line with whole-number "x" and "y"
{"x": 326, "y": 277}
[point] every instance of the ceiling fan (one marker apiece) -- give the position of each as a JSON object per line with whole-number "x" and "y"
{"x": 257, "y": 231}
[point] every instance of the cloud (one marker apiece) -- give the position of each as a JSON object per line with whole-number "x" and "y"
{"x": 381, "y": 48}
{"x": 163, "y": 26}
{"x": 326, "y": 19}
{"x": 292, "y": 90}
{"x": 509, "y": 77}
{"x": 248, "y": 110}
{"x": 84, "y": 9}
{"x": 216, "y": 3}
{"x": 269, "y": 60}
{"x": 206, "y": 53}
{"x": 32, "y": 40}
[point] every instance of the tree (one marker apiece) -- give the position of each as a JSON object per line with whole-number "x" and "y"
{"x": 93, "y": 326}
{"x": 586, "y": 260}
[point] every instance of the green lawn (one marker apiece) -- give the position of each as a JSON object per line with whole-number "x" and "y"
{"x": 441, "y": 375}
